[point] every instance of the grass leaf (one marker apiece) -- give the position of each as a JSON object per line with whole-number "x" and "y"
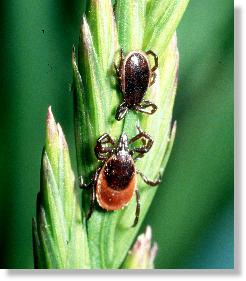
{"x": 59, "y": 236}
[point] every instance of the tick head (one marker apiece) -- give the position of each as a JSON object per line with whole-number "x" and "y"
{"x": 123, "y": 143}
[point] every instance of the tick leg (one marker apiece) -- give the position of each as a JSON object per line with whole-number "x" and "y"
{"x": 92, "y": 186}
{"x": 155, "y": 58}
{"x": 153, "y": 77}
{"x": 105, "y": 138}
{"x": 137, "y": 208}
{"x": 147, "y": 142}
{"x": 117, "y": 70}
{"x": 121, "y": 111}
{"x": 92, "y": 202}
{"x": 148, "y": 181}
{"x": 143, "y": 107}
{"x": 122, "y": 55}
{"x": 100, "y": 150}
{"x": 92, "y": 182}
{"x": 83, "y": 185}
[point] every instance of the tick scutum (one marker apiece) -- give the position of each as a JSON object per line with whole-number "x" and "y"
{"x": 119, "y": 171}
{"x": 135, "y": 77}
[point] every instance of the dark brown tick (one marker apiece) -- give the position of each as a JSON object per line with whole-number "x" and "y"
{"x": 135, "y": 76}
{"x": 115, "y": 181}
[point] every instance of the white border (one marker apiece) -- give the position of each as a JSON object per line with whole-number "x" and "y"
{"x": 240, "y": 184}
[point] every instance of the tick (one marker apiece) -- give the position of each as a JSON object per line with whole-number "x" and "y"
{"x": 135, "y": 76}
{"x": 115, "y": 181}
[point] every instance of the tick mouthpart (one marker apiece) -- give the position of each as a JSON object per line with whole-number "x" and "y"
{"x": 123, "y": 143}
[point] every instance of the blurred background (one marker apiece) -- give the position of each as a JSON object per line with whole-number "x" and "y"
{"x": 192, "y": 214}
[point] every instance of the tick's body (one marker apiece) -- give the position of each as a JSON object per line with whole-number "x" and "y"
{"x": 135, "y": 76}
{"x": 115, "y": 183}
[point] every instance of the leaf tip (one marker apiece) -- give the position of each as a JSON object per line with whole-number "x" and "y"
{"x": 51, "y": 125}
{"x": 142, "y": 254}
{"x": 50, "y": 115}
{"x": 85, "y": 33}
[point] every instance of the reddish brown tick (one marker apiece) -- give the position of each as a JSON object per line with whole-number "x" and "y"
{"x": 115, "y": 181}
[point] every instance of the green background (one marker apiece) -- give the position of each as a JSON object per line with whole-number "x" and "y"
{"x": 192, "y": 214}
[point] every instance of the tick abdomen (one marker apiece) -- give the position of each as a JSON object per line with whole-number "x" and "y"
{"x": 116, "y": 183}
{"x": 135, "y": 77}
